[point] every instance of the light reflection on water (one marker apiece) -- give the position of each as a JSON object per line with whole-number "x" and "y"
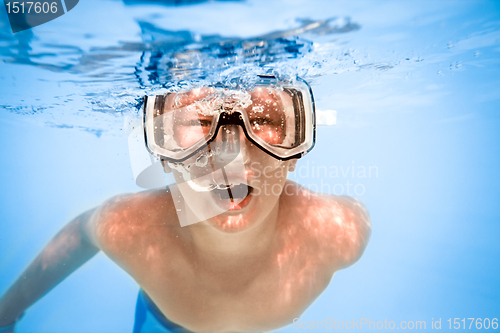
{"x": 415, "y": 86}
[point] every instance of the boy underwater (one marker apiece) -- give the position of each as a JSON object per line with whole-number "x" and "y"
{"x": 232, "y": 247}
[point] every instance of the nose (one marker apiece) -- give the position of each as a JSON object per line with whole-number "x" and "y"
{"x": 226, "y": 146}
{"x": 226, "y": 161}
{"x": 234, "y": 152}
{"x": 229, "y": 139}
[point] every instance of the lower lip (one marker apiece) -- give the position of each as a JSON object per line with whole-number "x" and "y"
{"x": 242, "y": 204}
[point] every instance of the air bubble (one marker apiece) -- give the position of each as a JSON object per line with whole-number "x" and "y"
{"x": 201, "y": 161}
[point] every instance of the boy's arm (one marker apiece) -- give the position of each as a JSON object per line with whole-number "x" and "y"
{"x": 67, "y": 251}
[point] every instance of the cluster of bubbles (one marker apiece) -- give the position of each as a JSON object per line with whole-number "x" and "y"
{"x": 192, "y": 61}
{"x": 217, "y": 101}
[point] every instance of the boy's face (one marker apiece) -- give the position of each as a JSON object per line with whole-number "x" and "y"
{"x": 232, "y": 190}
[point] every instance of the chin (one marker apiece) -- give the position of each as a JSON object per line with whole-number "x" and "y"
{"x": 231, "y": 223}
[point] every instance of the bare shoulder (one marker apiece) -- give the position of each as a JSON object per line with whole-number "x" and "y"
{"x": 123, "y": 223}
{"x": 338, "y": 225}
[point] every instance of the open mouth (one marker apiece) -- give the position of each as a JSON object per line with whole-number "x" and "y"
{"x": 234, "y": 192}
{"x": 233, "y": 197}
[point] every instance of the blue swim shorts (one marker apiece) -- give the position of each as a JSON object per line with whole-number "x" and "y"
{"x": 149, "y": 319}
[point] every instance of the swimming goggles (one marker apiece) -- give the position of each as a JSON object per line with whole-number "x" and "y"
{"x": 278, "y": 117}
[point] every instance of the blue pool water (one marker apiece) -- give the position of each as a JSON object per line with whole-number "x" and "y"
{"x": 416, "y": 90}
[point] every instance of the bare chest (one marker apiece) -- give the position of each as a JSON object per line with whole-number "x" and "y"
{"x": 248, "y": 299}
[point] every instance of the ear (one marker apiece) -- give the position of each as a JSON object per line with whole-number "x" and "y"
{"x": 166, "y": 168}
{"x": 292, "y": 164}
